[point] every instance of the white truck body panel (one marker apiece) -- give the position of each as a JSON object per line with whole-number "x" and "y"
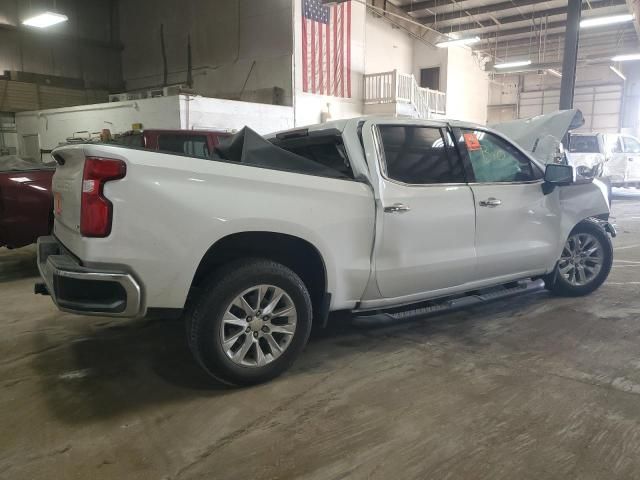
{"x": 169, "y": 210}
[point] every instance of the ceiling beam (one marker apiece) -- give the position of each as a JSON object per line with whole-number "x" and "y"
{"x": 414, "y": 7}
{"x": 431, "y": 19}
{"x": 584, "y": 39}
{"x": 501, "y": 35}
{"x": 496, "y": 7}
{"x": 520, "y": 30}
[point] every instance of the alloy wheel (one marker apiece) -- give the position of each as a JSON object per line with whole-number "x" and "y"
{"x": 258, "y": 326}
{"x": 582, "y": 259}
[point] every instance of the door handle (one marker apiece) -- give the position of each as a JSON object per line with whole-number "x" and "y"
{"x": 397, "y": 208}
{"x": 490, "y": 202}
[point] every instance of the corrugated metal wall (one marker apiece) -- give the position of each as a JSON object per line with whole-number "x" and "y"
{"x": 601, "y": 106}
{"x": 20, "y": 96}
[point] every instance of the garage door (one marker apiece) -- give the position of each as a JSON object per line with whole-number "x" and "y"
{"x": 600, "y": 105}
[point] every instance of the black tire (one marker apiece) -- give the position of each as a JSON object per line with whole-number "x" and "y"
{"x": 205, "y": 318}
{"x": 559, "y": 285}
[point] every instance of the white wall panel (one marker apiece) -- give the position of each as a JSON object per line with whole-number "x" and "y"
{"x": 600, "y": 105}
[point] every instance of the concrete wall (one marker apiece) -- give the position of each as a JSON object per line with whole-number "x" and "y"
{"x": 54, "y": 126}
{"x": 215, "y": 114}
{"x": 86, "y": 47}
{"x": 241, "y": 49}
{"x": 427, "y": 56}
{"x": 467, "y": 86}
{"x": 387, "y": 47}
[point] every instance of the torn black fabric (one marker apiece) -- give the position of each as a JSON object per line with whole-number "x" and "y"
{"x": 250, "y": 148}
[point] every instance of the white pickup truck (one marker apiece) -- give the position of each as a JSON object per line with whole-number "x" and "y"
{"x": 375, "y": 216}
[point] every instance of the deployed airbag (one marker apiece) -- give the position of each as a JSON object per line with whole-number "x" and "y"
{"x": 250, "y": 148}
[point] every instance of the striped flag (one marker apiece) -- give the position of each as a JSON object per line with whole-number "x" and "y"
{"x": 326, "y": 48}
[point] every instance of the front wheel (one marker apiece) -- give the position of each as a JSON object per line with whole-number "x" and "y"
{"x": 585, "y": 262}
{"x": 251, "y": 322}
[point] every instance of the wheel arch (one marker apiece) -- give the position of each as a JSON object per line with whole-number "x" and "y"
{"x": 296, "y": 253}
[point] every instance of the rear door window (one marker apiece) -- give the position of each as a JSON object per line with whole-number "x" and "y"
{"x": 192, "y": 145}
{"x": 418, "y": 155}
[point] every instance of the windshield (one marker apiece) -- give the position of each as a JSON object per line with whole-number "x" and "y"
{"x": 584, "y": 144}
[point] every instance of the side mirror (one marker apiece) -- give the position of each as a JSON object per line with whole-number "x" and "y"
{"x": 556, "y": 175}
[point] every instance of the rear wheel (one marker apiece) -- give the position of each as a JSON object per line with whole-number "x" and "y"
{"x": 251, "y": 322}
{"x": 585, "y": 262}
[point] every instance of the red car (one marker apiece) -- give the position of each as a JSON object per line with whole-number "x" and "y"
{"x": 195, "y": 143}
{"x": 26, "y": 203}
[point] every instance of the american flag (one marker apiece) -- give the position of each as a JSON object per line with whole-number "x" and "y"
{"x": 326, "y": 48}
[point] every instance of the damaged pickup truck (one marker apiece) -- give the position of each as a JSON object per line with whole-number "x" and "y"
{"x": 377, "y": 216}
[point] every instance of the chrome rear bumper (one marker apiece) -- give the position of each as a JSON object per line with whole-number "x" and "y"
{"x": 86, "y": 291}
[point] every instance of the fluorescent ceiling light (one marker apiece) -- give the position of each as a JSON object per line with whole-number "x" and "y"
{"x": 521, "y": 63}
{"x": 45, "y": 20}
{"x": 626, "y": 58}
{"x": 458, "y": 42}
{"x": 554, "y": 72}
{"x": 617, "y": 72}
{"x": 600, "y": 21}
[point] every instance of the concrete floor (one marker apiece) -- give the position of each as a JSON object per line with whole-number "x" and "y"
{"x": 531, "y": 387}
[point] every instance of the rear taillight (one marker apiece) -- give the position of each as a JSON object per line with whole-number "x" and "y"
{"x": 96, "y": 211}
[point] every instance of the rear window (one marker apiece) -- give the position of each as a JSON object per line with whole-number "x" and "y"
{"x": 584, "y": 144}
{"x": 328, "y": 152}
{"x": 192, "y": 145}
{"x": 133, "y": 140}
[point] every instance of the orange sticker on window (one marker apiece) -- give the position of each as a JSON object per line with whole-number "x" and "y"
{"x": 472, "y": 142}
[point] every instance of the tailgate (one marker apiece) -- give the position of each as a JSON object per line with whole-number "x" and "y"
{"x": 67, "y": 187}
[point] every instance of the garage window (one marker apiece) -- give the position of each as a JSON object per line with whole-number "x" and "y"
{"x": 419, "y": 155}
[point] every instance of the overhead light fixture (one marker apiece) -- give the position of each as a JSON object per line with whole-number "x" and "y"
{"x": 626, "y": 58}
{"x": 617, "y": 72}
{"x": 456, "y": 42}
{"x": 600, "y": 21}
{"x": 520, "y": 63}
{"x": 45, "y": 20}
{"x": 554, "y": 72}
